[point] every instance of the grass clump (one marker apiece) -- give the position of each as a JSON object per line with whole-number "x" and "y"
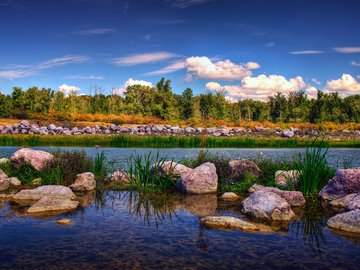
{"x": 100, "y": 167}
{"x": 147, "y": 174}
{"x": 314, "y": 169}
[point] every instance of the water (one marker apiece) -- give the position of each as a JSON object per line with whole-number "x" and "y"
{"x": 119, "y": 229}
{"x": 336, "y": 156}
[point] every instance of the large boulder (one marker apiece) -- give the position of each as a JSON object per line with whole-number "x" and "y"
{"x": 346, "y": 181}
{"x": 267, "y": 205}
{"x": 202, "y": 179}
{"x": 4, "y": 184}
{"x": 354, "y": 203}
{"x": 84, "y": 182}
{"x": 283, "y": 178}
{"x": 173, "y": 168}
{"x": 240, "y": 167}
{"x": 51, "y": 191}
{"x": 347, "y": 222}
{"x": 35, "y": 158}
{"x": 222, "y": 222}
{"x": 342, "y": 202}
{"x": 49, "y": 204}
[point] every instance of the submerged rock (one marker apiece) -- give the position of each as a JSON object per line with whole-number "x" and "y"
{"x": 51, "y": 191}
{"x": 347, "y": 222}
{"x": 202, "y": 179}
{"x": 35, "y": 158}
{"x": 64, "y": 221}
{"x": 346, "y": 181}
{"x": 48, "y": 204}
{"x": 229, "y": 196}
{"x": 282, "y": 178}
{"x": 240, "y": 167}
{"x": 84, "y": 182}
{"x": 228, "y": 223}
{"x": 267, "y": 205}
{"x": 176, "y": 169}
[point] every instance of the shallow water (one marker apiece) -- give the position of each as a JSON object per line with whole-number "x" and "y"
{"x": 119, "y": 229}
{"x": 336, "y": 156}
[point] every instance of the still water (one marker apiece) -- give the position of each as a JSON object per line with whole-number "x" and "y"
{"x": 119, "y": 156}
{"x": 120, "y": 229}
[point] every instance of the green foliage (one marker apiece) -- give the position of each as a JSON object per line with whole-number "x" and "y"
{"x": 146, "y": 173}
{"x": 239, "y": 186}
{"x": 314, "y": 169}
{"x": 100, "y": 166}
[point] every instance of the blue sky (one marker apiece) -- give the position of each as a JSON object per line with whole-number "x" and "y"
{"x": 245, "y": 49}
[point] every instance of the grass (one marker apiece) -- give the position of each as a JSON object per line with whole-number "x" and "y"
{"x": 147, "y": 174}
{"x": 100, "y": 169}
{"x": 164, "y": 141}
{"x": 314, "y": 169}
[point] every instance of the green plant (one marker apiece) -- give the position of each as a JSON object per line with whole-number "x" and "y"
{"x": 144, "y": 175}
{"x": 314, "y": 171}
{"x": 54, "y": 176}
{"x": 239, "y": 186}
{"x": 100, "y": 167}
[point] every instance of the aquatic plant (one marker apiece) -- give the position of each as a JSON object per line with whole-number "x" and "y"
{"x": 314, "y": 171}
{"x": 146, "y": 173}
{"x": 100, "y": 167}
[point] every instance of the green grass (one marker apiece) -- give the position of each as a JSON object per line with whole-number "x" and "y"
{"x": 164, "y": 141}
{"x": 100, "y": 169}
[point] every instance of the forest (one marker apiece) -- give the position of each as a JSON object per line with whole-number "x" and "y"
{"x": 162, "y": 103}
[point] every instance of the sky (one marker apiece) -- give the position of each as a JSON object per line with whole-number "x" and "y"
{"x": 242, "y": 48}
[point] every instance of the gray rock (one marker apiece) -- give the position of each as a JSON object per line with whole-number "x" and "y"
{"x": 52, "y": 191}
{"x": 223, "y": 222}
{"x": 354, "y": 203}
{"x": 14, "y": 181}
{"x": 4, "y": 184}
{"x": 84, "y": 182}
{"x": 347, "y": 222}
{"x": 35, "y": 158}
{"x": 240, "y": 167}
{"x": 49, "y": 204}
{"x": 288, "y": 133}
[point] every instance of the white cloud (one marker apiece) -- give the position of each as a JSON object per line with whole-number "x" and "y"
{"x": 355, "y": 64}
{"x": 94, "y": 31}
{"x": 347, "y": 50}
{"x": 260, "y": 87}
{"x": 131, "y": 82}
{"x": 314, "y": 80}
{"x": 143, "y": 58}
{"x": 186, "y": 3}
{"x": 30, "y": 70}
{"x": 168, "y": 69}
{"x": 68, "y": 89}
{"x": 306, "y": 52}
{"x": 81, "y": 77}
{"x": 204, "y": 68}
{"x": 347, "y": 85}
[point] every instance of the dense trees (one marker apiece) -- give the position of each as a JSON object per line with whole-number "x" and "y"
{"x": 161, "y": 102}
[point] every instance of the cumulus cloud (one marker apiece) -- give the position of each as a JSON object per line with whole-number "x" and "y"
{"x": 306, "y": 52}
{"x": 178, "y": 65}
{"x": 347, "y": 50}
{"x": 131, "y": 82}
{"x": 205, "y": 68}
{"x": 347, "y": 85}
{"x": 29, "y": 70}
{"x": 355, "y": 64}
{"x": 260, "y": 87}
{"x": 94, "y": 31}
{"x": 142, "y": 58}
{"x": 68, "y": 89}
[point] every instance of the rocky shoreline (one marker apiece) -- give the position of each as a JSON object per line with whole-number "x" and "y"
{"x": 24, "y": 127}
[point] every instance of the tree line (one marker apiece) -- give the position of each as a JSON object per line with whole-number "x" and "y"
{"x": 160, "y": 101}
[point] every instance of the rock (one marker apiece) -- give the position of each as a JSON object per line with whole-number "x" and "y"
{"x": 4, "y": 184}
{"x": 346, "y": 181}
{"x": 288, "y": 133}
{"x": 173, "y": 168}
{"x": 36, "y": 182}
{"x": 267, "y": 205}
{"x": 3, "y": 175}
{"x": 119, "y": 177}
{"x": 49, "y": 204}
{"x": 228, "y": 223}
{"x": 35, "y": 158}
{"x": 348, "y": 221}
{"x": 293, "y": 198}
{"x": 240, "y": 167}
{"x": 14, "y": 181}
{"x": 343, "y": 201}
{"x": 4, "y": 160}
{"x": 202, "y": 179}
{"x": 229, "y": 196}
{"x": 84, "y": 182}
{"x": 64, "y": 221}
{"x": 255, "y": 187}
{"x": 51, "y": 191}
{"x": 283, "y": 177}
{"x": 354, "y": 203}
